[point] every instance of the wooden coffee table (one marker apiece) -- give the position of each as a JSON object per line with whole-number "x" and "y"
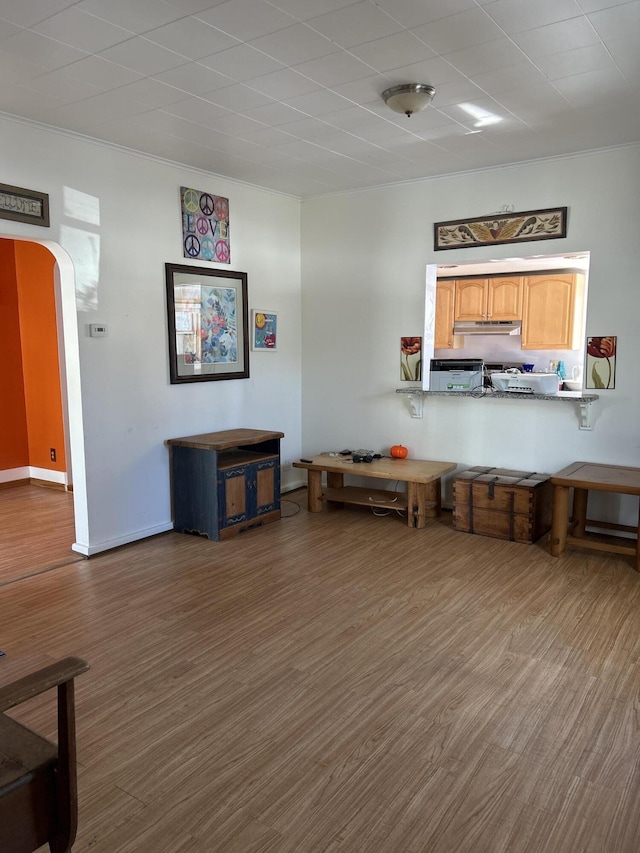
{"x": 421, "y": 500}
{"x": 584, "y": 477}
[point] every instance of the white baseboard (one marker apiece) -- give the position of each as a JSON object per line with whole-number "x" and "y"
{"x": 30, "y": 472}
{"x": 108, "y": 544}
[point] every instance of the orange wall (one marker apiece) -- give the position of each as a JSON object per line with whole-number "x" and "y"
{"x": 40, "y": 364}
{"x": 14, "y": 446}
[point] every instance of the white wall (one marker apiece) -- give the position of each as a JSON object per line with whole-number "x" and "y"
{"x": 363, "y": 270}
{"x": 127, "y": 226}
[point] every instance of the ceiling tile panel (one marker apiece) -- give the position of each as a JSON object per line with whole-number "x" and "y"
{"x": 353, "y": 119}
{"x": 283, "y": 85}
{"x": 618, "y": 21}
{"x": 305, "y": 9}
{"x": 236, "y": 125}
{"x": 275, "y": 114}
{"x": 197, "y": 111}
{"x": 114, "y": 104}
{"x": 7, "y": 30}
{"x": 334, "y": 70}
{"x": 355, "y": 24}
{"x": 596, "y": 5}
{"x": 18, "y": 69}
{"x": 102, "y": 73}
{"x": 393, "y": 51}
{"x": 500, "y": 53}
{"x": 498, "y": 80}
{"x": 514, "y": 16}
{"x": 247, "y": 19}
{"x": 363, "y": 91}
{"x": 593, "y": 57}
{"x": 83, "y": 31}
{"x": 412, "y": 13}
{"x": 554, "y": 38}
{"x": 26, "y": 13}
{"x": 139, "y": 16}
{"x": 466, "y": 29}
{"x": 242, "y": 62}
{"x": 295, "y": 44}
{"x": 268, "y": 137}
{"x": 64, "y": 88}
{"x": 29, "y": 103}
{"x": 433, "y": 71}
{"x": 153, "y": 94}
{"x": 48, "y": 52}
{"x": 238, "y": 98}
{"x": 192, "y": 7}
{"x": 320, "y": 103}
{"x": 194, "y": 78}
{"x": 627, "y": 57}
{"x": 586, "y": 90}
{"x": 143, "y": 56}
{"x": 191, "y": 37}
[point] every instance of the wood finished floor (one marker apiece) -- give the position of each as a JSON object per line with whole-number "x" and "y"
{"x": 36, "y": 531}
{"x": 338, "y": 682}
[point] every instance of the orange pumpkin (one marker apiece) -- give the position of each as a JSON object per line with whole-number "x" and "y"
{"x": 399, "y": 451}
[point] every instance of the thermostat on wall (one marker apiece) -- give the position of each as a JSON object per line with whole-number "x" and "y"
{"x": 97, "y": 330}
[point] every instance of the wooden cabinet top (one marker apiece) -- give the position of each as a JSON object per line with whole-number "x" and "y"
{"x": 225, "y": 439}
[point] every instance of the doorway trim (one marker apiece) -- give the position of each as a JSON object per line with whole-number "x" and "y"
{"x": 70, "y": 381}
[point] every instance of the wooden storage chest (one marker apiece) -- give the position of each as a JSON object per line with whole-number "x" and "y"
{"x": 514, "y": 505}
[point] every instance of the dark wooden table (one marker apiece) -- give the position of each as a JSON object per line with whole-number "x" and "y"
{"x": 584, "y": 477}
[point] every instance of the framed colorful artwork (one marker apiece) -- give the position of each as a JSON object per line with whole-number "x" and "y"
{"x": 208, "y": 324}
{"x": 410, "y": 359}
{"x": 205, "y": 226}
{"x": 600, "y": 371}
{"x": 265, "y": 330}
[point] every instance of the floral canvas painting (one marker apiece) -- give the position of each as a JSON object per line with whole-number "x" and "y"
{"x": 410, "y": 359}
{"x": 601, "y": 362}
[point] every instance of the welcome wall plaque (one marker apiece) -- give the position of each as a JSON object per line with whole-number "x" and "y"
{"x": 547, "y": 224}
{"x": 23, "y": 205}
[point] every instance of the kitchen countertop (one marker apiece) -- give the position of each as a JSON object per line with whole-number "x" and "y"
{"x": 491, "y": 393}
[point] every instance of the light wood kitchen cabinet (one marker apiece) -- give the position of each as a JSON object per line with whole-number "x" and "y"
{"x": 496, "y": 298}
{"x": 445, "y": 304}
{"x": 552, "y": 311}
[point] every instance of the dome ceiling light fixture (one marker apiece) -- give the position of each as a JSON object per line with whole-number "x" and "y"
{"x": 408, "y": 98}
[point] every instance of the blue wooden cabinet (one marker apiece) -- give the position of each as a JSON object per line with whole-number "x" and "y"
{"x": 225, "y": 482}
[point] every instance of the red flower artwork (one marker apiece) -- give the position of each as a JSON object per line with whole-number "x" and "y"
{"x": 410, "y": 360}
{"x": 603, "y": 349}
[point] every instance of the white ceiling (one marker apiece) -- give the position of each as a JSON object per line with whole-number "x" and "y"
{"x": 285, "y": 94}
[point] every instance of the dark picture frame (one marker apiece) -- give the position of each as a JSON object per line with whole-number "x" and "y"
{"x": 525, "y": 226}
{"x": 22, "y": 205}
{"x": 207, "y": 313}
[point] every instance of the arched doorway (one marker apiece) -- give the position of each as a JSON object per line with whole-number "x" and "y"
{"x": 63, "y": 284}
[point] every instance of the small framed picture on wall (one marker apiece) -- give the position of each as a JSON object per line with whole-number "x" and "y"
{"x": 410, "y": 359}
{"x": 600, "y": 370}
{"x": 264, "y": 334}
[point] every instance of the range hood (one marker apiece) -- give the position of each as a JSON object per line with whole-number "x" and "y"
{"x": 488, "y": 327}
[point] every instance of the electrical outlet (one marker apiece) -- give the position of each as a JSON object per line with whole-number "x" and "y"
{"x": 52, "y": 454}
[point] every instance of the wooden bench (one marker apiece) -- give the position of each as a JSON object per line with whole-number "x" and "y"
{"x": 38, "y": 792}
{"x": 584, "y": 477}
